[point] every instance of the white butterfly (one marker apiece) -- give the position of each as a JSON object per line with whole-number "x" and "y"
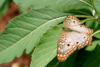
{"x": 75, "y": 36}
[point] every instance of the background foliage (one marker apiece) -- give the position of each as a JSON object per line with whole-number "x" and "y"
{"x": 41, "y": 26}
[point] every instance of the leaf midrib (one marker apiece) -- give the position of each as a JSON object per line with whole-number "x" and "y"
{"x": 34, "y": 31}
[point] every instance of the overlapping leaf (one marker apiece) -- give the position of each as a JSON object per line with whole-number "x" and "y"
{"x": 24, "y": 32}
{"x": 47, "y": 48}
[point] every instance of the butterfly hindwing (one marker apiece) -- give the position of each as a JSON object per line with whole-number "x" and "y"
{"x": 66, "y": 46}
{"x": 80, "y": 39}
{"x": 75, "y": 24}
{"x": 81, "y": 29}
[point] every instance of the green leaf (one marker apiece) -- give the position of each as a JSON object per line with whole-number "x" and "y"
{"x": 94, "y": 59}
{"x": 24, "y": 32}
{"x": 92, "y": 47}
{"x": 95, "y": 25}
{"x": 47, "y": 48}
{"x": 90, "y": 24}
{"x": 81, "y": 57}
{"x": 59, "y": 5}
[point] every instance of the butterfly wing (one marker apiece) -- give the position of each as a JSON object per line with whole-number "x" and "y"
{"x": 80, "y": 39}
{"x": 71, "y": 20}
{"x": 66, "y": 46}
{"x": 82, "y": 29}
{"x": 75, "y": 24}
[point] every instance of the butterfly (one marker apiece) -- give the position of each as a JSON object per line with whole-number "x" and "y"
{"x": 75, "y": 35}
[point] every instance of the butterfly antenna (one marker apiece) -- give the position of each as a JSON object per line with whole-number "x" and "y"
{"x": 53, "y": 18}
{"x": 56, "y": 20}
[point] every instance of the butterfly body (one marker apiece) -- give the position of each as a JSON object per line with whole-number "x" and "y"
{"x": 75, "y": 35}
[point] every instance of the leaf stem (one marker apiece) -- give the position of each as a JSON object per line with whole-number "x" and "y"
{"x": 95, "y": 33}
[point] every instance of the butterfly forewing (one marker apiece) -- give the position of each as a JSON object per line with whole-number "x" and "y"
{"x": 66, "y": 46}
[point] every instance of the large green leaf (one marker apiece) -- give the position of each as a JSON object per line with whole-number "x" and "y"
{"x": 94, "y": 58}
{"x": 59, "y": 5}
{"x": 24, "y": 32}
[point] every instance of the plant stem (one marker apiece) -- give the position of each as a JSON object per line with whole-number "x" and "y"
{"x": 95, "y": 33}
{"x": 84, "y": 16}
{"x": 88, "y": 19}
{"x": 56, "y": 64}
